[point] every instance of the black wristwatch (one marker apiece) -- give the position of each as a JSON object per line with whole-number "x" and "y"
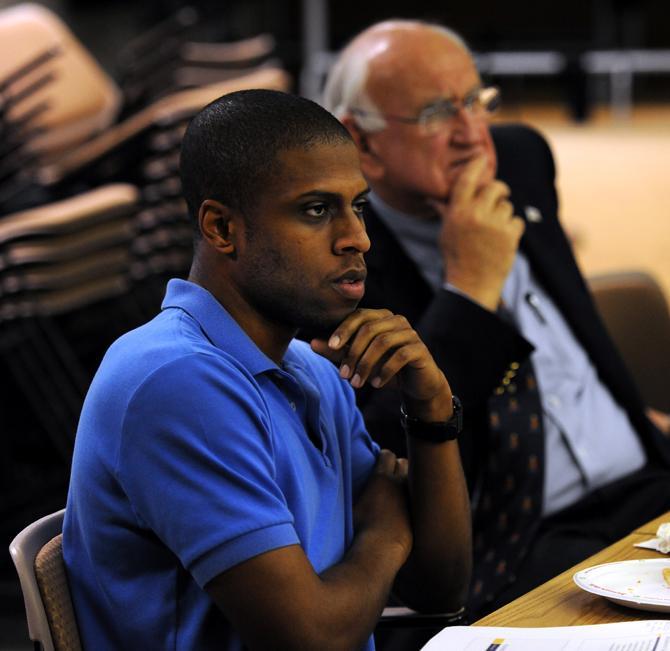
{"x": 434, "y": 432}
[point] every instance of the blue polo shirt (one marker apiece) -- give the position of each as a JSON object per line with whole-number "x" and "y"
{"x": 192, "y": 456}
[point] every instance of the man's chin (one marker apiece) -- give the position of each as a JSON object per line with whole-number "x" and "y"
{"x": 323, "y": 326}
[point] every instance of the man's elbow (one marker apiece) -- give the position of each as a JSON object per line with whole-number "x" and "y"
{"x": 438, "y": 602}
{"x": 436, "y": 592}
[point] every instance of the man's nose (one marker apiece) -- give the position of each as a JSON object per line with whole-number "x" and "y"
{"x": 466, "y": 125}
{"x": 353, "y": 237}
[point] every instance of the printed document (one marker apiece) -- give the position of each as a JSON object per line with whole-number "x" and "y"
{"x": 648, "y": 635}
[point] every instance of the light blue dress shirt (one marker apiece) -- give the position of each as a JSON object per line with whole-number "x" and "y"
{"x": 589, "y": 440}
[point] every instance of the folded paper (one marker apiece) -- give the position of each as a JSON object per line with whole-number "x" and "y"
{"x": 662, "y": 541}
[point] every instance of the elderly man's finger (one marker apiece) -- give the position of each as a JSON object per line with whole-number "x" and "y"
{"x": 495, "y": 193}
{"x": 467, "y": 183}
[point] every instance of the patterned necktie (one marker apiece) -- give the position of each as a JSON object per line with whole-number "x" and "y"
{"x": 510, "y": 505}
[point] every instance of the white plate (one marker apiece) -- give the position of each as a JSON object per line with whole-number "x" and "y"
{"x": 637, "y": 584}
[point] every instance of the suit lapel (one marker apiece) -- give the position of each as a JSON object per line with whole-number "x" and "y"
{"x": 402, "y": 282}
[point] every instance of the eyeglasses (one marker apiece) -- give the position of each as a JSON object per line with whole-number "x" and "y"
{"x": 439, "y": 115}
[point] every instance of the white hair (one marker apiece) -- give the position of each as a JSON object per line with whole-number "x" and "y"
{"x": 345, "y": 90}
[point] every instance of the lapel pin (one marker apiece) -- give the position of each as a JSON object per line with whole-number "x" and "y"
{"x": 533, "y": 214}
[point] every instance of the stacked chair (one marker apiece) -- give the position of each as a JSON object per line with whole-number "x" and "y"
{"x": 17, "y": 132}
{"x": 115, "y": 227}
{"x": 57, "y": 106}
{"x": 168, "y": 58}
{"x": 145, "y": 146}
{"x": 53, "y": 96}
{"x": 59, "y": 264}
{"x": 144, "y": 150}
{"x": 81, "y": 99}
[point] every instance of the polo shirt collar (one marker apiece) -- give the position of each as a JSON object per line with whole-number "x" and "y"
{"x": 217, "y": 324}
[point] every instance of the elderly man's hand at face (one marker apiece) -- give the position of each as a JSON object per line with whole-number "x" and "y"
{"x": 480, "y": 234}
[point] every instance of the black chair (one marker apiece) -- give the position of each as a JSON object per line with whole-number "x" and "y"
{"x": 636, "y": 315}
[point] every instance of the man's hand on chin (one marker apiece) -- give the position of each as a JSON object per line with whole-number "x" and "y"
{"x": 376, "y": 346}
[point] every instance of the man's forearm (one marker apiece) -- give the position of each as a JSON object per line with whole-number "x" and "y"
{"x": 437, "y": 573}
{"x": 359, "y": 588}
{"x": 383, "y": 346}
{"x": 276, "y": 599}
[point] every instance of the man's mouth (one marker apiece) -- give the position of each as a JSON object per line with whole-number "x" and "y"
{"x": 461, "y": 162}
{"x": 351, "y": 284}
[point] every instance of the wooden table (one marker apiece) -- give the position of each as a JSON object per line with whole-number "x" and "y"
{"x": 559, "y": 602}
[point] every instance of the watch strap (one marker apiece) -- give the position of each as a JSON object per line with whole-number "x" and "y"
{"x": 435, "y": 432}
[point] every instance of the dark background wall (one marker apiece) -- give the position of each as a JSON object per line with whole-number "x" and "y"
{"x": 570, "y": 27}
{"x": 521, "y": 24}
{"x": 104, "y": 25}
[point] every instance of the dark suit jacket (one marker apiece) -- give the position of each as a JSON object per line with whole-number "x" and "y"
{"x": 474, "y": 347}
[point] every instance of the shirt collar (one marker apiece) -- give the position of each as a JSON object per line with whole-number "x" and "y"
{"x": 402, "y": 223}
{"x": 217, "y": 324}
{"x": 417, "y": 237}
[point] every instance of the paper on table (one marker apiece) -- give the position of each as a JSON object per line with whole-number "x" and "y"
{"x": 652, "y": 543}
{"x": 662, "y": 541}
{"x": 647, "y": 635}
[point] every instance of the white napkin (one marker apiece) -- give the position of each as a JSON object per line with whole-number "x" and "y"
{"x": 662, "y": 541}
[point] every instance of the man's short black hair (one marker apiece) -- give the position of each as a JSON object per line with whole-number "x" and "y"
{"x": 230, "y": 149}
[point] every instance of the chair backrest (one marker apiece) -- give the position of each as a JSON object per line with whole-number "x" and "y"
{"x": 183, "y": 104}
{"x": 636, "y": 314}
{"x": 38, "y": 556}
{"x": 67, "y": 215}
{"x": 61, "y": 246}
{"x": 82, "y": 99}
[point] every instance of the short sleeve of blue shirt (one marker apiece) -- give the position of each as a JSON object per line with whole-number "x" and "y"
{"x": 204, "y": 453}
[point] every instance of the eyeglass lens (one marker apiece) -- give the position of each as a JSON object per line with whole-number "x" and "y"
{"x": 482, "y": 100}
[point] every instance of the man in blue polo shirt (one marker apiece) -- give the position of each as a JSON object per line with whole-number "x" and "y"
{"x": 224, "y": 489}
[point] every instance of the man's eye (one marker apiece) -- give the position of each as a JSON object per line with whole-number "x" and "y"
{"x": 447, "y": 110}
{"x": 317, "y": 210}
{"x": 472, "y": 100}
{"x": 360, "y": 206}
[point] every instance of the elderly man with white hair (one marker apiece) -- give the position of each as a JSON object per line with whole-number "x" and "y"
{"x": 560, "y": 455}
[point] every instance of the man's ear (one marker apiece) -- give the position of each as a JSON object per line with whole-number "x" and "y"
{"x": 218, "y": 225}
{"x": 372, "y": 165}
